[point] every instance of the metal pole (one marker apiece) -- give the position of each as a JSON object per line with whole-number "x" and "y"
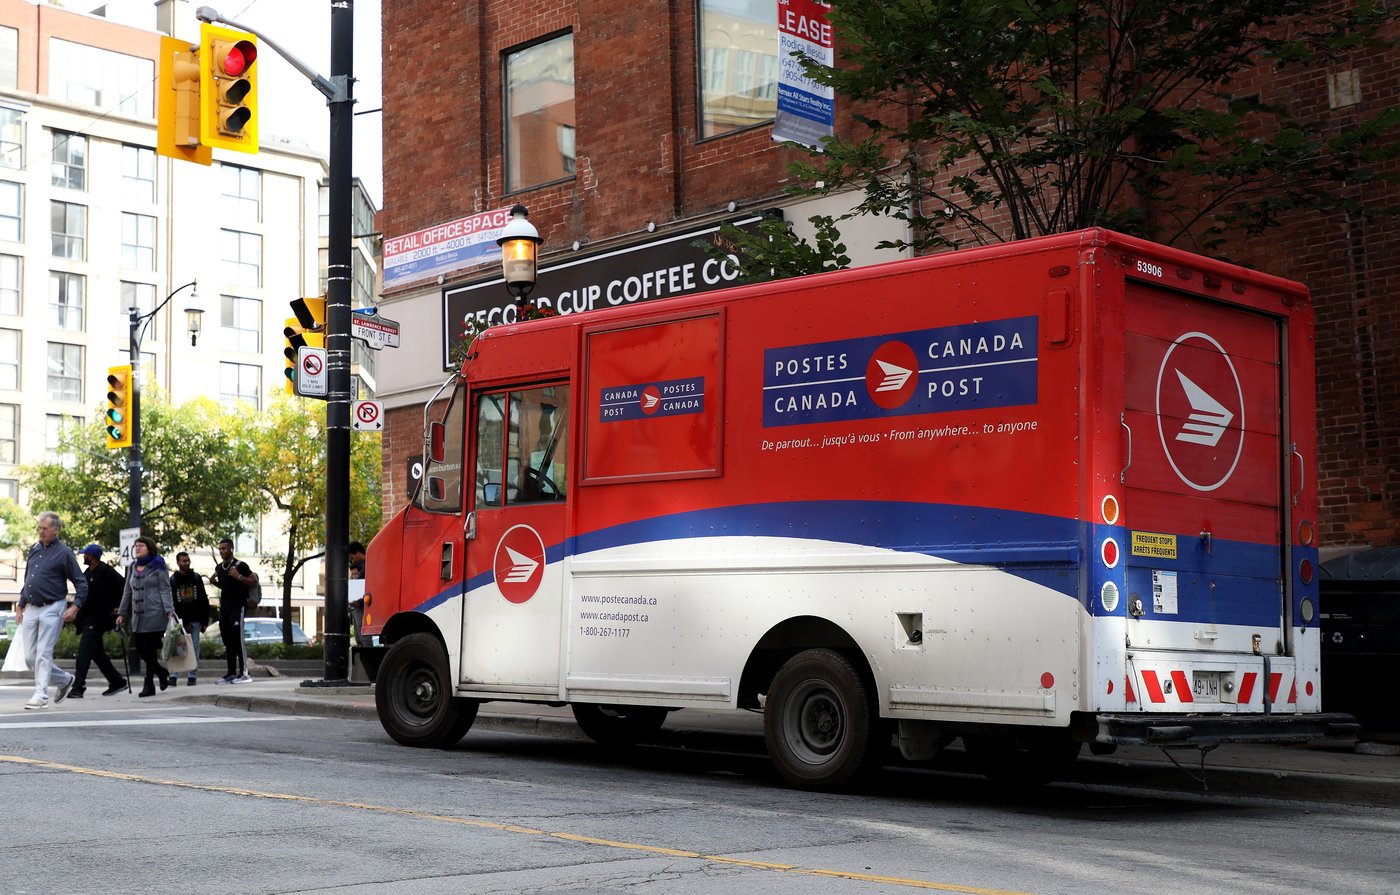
{"x": 133, "y": 456}
{"x": 338, "y": 279}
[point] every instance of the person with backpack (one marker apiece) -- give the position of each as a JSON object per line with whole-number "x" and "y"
{"x": 147, "y": 604}
{"x": 96, "y": 617}
{"x": 191, "y": 605}
{"x": 233, "y": 578}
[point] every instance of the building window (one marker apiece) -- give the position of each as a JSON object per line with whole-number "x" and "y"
{"x": 11, "y": 135}
{"x": 68, "y": 225}
{"x": 69, "y": 161}
{"x": 539, "y": 103}
{"x": 242, "y": 253}
{"x": 55, "y": 425}
{"x": 65, "y": 372}
{"x": 9, "y": 433}
{"x": 148, "y": 365}
{"x": 324, "y": 217}
{"x": 9, "y": 59}
{"x": 245, "y": 543}
{"x": 92, "y": 76}
{"x": 243, "y": 193}
{"x": 363, "y": 290}
{"x": 66, "y": 300}
{"x": 240, "y": 382}
{"x": 738, "y": 64}
{"x": 11, "y": 211}
{"x": 9, "y": 285}
{"x": 242, "y": 322}
{"x": 138, "y": 241}
{"x": 9, "y": 359}
{"x": 9, "y": 490}
{"x": 139, "y": 174}
{"x": 141, "y": 296}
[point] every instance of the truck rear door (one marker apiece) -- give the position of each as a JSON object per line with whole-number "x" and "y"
{"x": 1204, "y": 503}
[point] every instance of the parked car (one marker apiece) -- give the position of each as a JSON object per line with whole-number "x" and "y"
{"x": 261, "y": 630}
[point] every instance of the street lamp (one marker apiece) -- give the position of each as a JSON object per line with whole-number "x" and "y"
{"x": 139, "y": 323}
{"x": 519, "y": 242}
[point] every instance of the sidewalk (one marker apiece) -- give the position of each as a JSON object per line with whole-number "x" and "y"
{"x": 1340, "y": 772}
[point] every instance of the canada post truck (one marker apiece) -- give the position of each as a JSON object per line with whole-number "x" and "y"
{"x": 1032, "y": 496}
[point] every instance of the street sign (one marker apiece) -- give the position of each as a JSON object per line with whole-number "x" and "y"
{"x": 367, "y": 416}
{"x": 311, "y": 379}
{"x": 128, "y": 538}
{"x": 375, "y": 331}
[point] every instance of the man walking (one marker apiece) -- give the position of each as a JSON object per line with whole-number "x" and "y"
{"x": 43, "y": 608}
{"x": 191, "y": 605}
{"x": 232, "y": 577}
{"x": 96, "y": 617}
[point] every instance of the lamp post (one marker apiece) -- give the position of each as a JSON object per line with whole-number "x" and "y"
{"x": 520, "y": 246}
{"x": 138, "y": 324}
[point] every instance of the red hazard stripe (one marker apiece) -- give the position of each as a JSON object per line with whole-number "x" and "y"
{"x": 1128, "y": 682}
{"x": 1247, "y": 687}
{"x": 1275, "y": 681}
{"x": 1153, "y": 688}
{"x": 1293, "y": 694}
{"x": 1183, "y": 687}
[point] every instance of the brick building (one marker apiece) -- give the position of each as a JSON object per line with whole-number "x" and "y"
{"x": 624, "y": 126}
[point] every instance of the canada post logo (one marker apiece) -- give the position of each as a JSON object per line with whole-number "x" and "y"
{"x": 674, "y": 397}
{"x": 1200, "y": 411}
{"x": 963, "y": 367}
{"x": 519, "y": 563}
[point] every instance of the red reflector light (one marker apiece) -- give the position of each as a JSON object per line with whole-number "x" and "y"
{"x": 1110, "y": 552}
{"x": 1305, "y": 571}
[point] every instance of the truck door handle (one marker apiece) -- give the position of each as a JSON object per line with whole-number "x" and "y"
{"x": 1302, "y": 471}
{"x": 1123, "y": 421}
{"x": 470, "y": 532}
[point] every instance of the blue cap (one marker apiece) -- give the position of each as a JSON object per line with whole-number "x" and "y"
{"x": 92, "y": 550}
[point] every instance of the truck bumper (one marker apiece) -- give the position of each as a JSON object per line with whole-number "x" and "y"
{"x": 1209, "y": 730}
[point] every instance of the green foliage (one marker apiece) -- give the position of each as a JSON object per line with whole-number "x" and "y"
{"x": 773, "y": 252}
{"x": 191, "y": 483}
{"x": 17, "y": 526}
{"x": 985, "y": 120}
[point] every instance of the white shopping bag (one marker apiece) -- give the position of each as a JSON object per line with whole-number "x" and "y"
{"x": 14, "y": 659}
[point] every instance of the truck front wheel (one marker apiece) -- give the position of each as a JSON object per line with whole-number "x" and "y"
{"x": 414, "y": 696}
{"x": 818, "y": 722}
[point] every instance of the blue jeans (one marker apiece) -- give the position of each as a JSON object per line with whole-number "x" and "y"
{"x": 41, "y": 627}
{"x": 193, "y": 629}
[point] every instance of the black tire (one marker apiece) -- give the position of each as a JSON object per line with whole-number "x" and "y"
{"x": 1018, "y": 758}
{"x": 618, "y": 725}
{"x": 819, "y": 722}
{"x": 414, "y": 696}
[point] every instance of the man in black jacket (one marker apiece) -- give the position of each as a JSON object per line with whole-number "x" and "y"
{"x": 96, "y": 617}
{"x": 191, "y": 605}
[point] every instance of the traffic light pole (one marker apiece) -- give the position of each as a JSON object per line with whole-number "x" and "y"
{"x": 337, "y": 90}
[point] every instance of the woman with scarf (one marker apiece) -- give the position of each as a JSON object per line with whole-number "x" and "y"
{"x": 146, "y": 600}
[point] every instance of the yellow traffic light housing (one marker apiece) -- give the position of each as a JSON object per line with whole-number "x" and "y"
{"x": 178, "y": 112}
{"x": 306, "y": 329}
{"x": 116, "y": 421}
{"x": 228, "y": 88}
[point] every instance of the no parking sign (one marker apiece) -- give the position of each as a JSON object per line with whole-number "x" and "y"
{"x": 367, "y": 416}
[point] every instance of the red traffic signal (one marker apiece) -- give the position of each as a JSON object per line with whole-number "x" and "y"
{"x": 237, "y": 58}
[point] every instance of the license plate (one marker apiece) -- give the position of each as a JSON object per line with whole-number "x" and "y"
{"x": 1205, "y": 686}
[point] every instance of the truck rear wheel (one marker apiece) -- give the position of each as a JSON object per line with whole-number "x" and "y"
{"x": 414, "y": 696}
{"x": 618, "y": 725}
{"x": 819, "y": 723}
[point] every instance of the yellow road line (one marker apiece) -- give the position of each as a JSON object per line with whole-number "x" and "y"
{"x": 509, "y": 828}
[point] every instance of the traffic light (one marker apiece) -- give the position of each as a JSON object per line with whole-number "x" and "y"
{"x": 117, "y": 420}
{"x": 307, "y": 328}
{"x": 177, "y": 121}
{"x": 228, "y": 88}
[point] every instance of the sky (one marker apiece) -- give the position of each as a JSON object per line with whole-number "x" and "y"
{"x": 290, "y": 108}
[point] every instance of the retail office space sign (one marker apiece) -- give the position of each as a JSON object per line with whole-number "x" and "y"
{"x": 444, "y": 248}
{"x": 663, "y": 268}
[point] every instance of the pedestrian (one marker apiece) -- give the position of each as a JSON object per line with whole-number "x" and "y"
{"x": 43, "y": 608}
{"x": 191, "y": 605}
{"x": 146, "y": 602}
{"x": 95, "y": 618}
{"x": 232, "y": 577}
{"x": 356, "y": 552}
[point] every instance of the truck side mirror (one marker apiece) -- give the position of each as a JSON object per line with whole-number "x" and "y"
{"x": 491, "y": 493}
{"x": 437, "y": 441}
{"x": 437, "y": 489}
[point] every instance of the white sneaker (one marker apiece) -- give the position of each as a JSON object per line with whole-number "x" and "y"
{"x": 244, "y": 678}
{"x": 37, "y": 702}
{"x": 63, "y": 691}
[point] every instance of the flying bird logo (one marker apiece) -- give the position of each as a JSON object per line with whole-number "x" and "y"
{"x": 521, "y": 567}
{"x": 1209, "y": 418}
{"x": 895, "y": 376}
{"x": 649, "y": 402}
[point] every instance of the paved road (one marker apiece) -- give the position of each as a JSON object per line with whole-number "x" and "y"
{"x": 117, "y": 795}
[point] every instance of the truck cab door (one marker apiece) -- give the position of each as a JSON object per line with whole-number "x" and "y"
{"x": 511, "y": 630}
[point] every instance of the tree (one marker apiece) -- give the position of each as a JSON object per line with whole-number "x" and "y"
{"x": 289, "y": 443}
{"x": 192, "y": 471}
{"x": 16, "y": 525}
{"x": 986, "y": 120}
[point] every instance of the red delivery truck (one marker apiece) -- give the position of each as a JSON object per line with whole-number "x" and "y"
{"x": 1035, "y": 495}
